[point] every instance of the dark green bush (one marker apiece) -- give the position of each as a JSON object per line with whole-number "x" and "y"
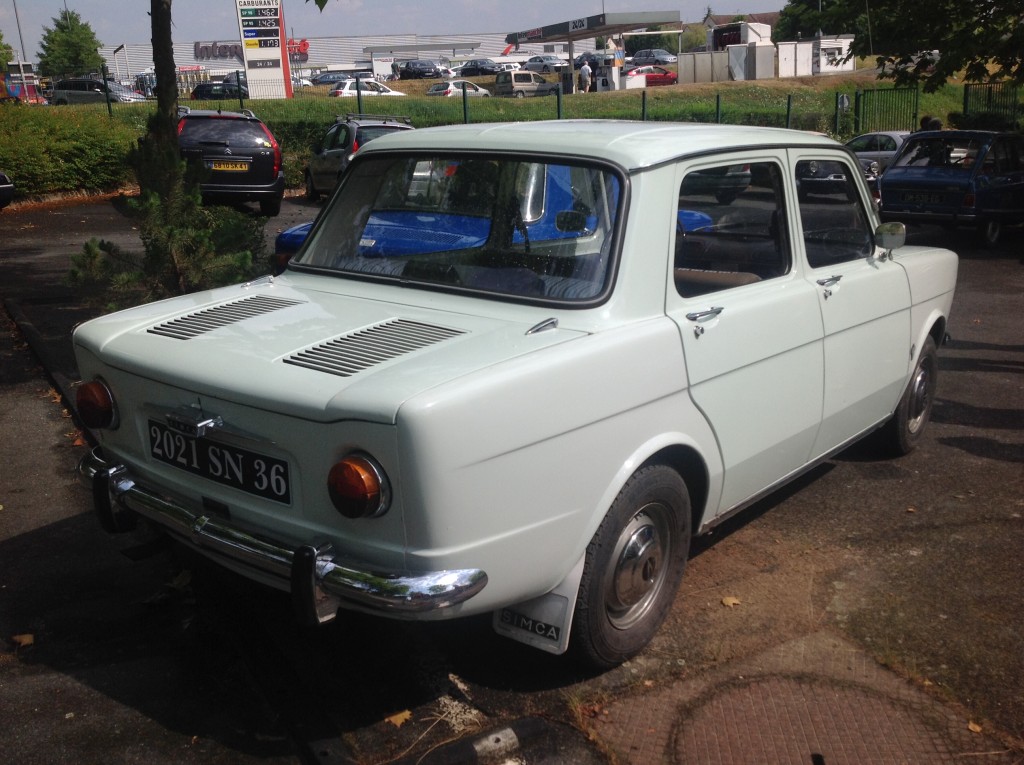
{"x": 57, "y": 150}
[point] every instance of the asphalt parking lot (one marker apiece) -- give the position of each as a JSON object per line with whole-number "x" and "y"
{"x": 890, "y": 586}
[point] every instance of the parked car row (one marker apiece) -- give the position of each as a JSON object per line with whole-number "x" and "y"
{"x": 952, "y": 178}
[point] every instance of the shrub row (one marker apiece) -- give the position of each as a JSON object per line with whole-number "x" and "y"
{"x": 56, "y": 150}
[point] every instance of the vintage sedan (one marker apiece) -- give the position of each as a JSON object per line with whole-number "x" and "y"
{"x": 514, "y": 368}
{"x": 956, "y": 178}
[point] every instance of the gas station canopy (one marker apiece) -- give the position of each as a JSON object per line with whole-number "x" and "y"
{"x": 602, "y": 25}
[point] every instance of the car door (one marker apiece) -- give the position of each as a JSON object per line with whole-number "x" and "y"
{"x": 326, "y": 165}
{"x": 864, "y": 300}
{"x": 749, "y": 322}
{"x": 1000, "y": 189}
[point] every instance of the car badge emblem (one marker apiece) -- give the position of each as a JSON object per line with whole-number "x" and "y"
{"x": 227, "y": 151}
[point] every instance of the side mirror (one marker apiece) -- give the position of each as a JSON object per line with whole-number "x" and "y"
{"x": 891, "y": 236}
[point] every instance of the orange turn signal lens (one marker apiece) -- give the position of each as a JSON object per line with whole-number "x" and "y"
{"x": 95, "y": 405}
{"x": 358, "y": 487}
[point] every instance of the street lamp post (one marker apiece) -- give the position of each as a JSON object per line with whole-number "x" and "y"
{"x": 21, "y": 58}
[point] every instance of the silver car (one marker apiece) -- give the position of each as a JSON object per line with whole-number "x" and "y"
{"x": 877, "y": 148}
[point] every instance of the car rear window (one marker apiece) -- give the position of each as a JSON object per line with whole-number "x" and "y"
{"x": 506, "y": 227}
{"x": 226, "y": 130}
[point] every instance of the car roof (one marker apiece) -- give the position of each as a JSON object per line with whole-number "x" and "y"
{"x": 185, "y": 111}
{"x": 633, "y": 145}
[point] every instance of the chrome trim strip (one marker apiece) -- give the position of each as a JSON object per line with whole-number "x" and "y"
{"x": 392, "y": 592}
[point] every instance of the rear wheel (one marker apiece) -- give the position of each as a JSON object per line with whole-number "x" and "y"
{"x": 270, "y": 207}
{"x": 991, "y": 231}
{"x": 311, "y": 193}
{"x": 520, "y": 94}
{"x": 632, "y": 569}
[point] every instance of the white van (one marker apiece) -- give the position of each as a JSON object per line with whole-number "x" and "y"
{"x": 522, "y": 83}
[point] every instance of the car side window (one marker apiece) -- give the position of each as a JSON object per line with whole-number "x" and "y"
{"x": 730, "y": 228}
{"x": 836, "y": 226}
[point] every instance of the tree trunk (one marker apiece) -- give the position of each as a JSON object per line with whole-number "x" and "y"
{"x": 163, "y": 127}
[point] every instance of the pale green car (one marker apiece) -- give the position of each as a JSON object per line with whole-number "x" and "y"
{"x": 514, "y": 368}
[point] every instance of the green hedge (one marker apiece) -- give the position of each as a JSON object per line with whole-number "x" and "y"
{"x": 59, "y": 150}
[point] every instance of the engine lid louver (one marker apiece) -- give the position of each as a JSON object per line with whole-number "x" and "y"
{"x": 190, "y": 325}
{"x": 345, "y": 356}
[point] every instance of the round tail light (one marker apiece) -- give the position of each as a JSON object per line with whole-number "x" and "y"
{"x": 358, "y": 487}
{"x": 95, "y": 405}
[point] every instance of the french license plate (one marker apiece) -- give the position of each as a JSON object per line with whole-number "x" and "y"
{"x": 922, "y": 198}
{"x": 249, "y": 471}
{"x": 234, "y": 167}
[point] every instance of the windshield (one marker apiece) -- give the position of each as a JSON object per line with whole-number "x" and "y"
{"x": 508, "y": 227}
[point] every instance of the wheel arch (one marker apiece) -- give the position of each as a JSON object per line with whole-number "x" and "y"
{"x": 691, "y": 467}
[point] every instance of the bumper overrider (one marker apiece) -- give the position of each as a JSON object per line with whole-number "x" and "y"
{"x": 319, "y": 583}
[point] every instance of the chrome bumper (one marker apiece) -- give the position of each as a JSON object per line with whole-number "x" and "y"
{"x": 319, "y": 583}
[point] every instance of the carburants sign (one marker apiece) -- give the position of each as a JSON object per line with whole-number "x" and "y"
{"x": 204, "y": 51}
{"x": 298, "y": 50}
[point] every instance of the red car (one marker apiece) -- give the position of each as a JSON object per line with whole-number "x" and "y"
{"x": 656, "y": 75}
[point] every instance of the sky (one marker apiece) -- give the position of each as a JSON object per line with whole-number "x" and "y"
{"x": 127, "y": 21}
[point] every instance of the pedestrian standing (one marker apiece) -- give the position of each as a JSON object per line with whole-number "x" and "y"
{"x": 585, "y": 77}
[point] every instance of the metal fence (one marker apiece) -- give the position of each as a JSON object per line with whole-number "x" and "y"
{"x": 1001, "y": 98}
{"x": 885, "y": 109}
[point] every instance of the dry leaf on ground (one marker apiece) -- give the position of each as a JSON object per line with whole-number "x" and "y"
{"x": 399, "y": 718}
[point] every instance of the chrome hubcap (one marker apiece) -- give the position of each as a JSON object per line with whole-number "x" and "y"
{"x": 920, "y": 399}
{"x": 638, "y": 567}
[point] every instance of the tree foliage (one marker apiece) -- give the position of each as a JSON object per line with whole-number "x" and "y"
{"x": 69, "y": 47}
{"x": 976, "y": 41}
{"x": 800, "y": 19}
{"x": 6, "y": 50}
{"x": 187, "y": 245}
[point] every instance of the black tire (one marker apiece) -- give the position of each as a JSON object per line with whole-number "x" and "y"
{"x": 632, "y": 569}
{"x": 903, "y": 432}
{"x": 519, "y": 94}
{"x": 311, "y": 193}
{"x": 991, "y": 231}
{"x": 270, "y": 207}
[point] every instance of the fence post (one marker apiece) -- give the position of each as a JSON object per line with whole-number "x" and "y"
{"x": 718, "y": 108}
{"x": 359, "y": 95}
{"x": 465, "y": 107}
{"x": 238, "y": 84}
{"x": 643, "y": 105}
{"x": 558, "y": 98}
{"x": 789, "y": 110}
{"x": 106, "y": 90}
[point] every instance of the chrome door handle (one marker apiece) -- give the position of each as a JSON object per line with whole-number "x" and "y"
{"x": 707, "y": 313}
{"x": 698, "y": 315}
{"x": 829, "y": 281}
